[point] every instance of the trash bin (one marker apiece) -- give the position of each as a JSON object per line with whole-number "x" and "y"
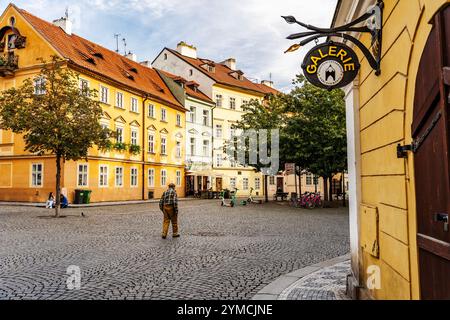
{"x": 79, "y": 197}
{"x": 87, "y": 196}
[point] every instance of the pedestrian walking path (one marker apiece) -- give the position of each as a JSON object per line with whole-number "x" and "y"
{"x": 322, "y": 281}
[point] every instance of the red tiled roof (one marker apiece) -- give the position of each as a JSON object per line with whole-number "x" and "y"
{"x": 222, "y": 74}
{"x": 102, "y": 61}
{"x": 268, "y": 90}
{"x": 188, "y": 87}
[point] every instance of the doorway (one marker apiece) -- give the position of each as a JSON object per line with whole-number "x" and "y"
{"x": 431, "y": 161}
{"x": 219, "y": 184}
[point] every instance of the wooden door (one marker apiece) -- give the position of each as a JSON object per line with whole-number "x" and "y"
{"x": 219, "y": 185}
{"x": 280, "y": 184}
{"x": 431, "y": 147}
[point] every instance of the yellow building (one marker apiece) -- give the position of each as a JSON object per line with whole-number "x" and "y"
{"x": 137, "y": 104}
{"x": 399, "y": 203}
{"x": 229, "y": 89}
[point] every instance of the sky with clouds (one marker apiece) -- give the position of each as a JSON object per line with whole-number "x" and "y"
{"x": 251, "y": 31}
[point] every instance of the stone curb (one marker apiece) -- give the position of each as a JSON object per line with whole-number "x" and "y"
{"x": 277, "y": 287}
{"x": 91, "y": 205}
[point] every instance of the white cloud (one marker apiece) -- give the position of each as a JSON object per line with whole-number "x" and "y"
{"x": 252, "y": 31}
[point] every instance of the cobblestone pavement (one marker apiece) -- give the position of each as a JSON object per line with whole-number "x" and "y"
{"x": 326, "y": 284}
{"x": 224, "y": 253}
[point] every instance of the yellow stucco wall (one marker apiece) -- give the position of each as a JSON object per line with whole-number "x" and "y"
{"x": 387, "y": 183}
{"x": 15, "y": 162}
{"x": 226, "y": 117}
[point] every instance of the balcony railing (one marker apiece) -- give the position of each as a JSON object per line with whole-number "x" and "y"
{"x": 9, "y": 63}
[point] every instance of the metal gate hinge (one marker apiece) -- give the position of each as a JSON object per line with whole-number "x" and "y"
{"x": 402, "y": 151}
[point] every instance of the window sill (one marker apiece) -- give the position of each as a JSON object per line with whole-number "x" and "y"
{"x": 151, "y": 153}
{"x": 105, "y": 104}
{"x": 116, "y": 107}
{"x": 151, "y": 118}
{"x": 164, "y": 121}
{"x": 135, "y": 112}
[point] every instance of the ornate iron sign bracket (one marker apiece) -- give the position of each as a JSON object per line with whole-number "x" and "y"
{"x": 373, "y": 24}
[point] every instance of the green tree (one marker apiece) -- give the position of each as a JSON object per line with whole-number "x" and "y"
{"x": 315, "y": 131}
{"x": 267, "y": 115}
{"x": 312, "y": 129}
{"x": 55, "y": 116}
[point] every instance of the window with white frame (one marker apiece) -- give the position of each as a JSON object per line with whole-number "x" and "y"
{"x": 205, "y": 117}
{"x": 84, "y": 86}
{"x": 192, "y": 114}
{"x": 134, "y": 137}
{"x": 192, "y": 146}
{"x": 151, "y": 178}
{"x": 257, "y": 183}
{"x": 82, "y": 175}
{"x": 163, "y": 145}
{"x": 233, "y": 103}
{"x": 219, "y": 99}
{"x": 219, "y": 131}
{"x": 104, "y": 94}
{"x": 245, "y": 184}
{"x": 163, "y": 178}
{"x": 205, "y": 148}
{"x": 309, "y": 179}
{"x": 272, "y": 180}
{"x": 219, "y": 160}
{"x": 151, "y": 142}
{"x": 119, "y": 134}
{"x": 244, "y": 103}
{"x": 103, "y": 176}
{"x": 134, "y": 105}
{"x": 178, "y": 149}
{"x": 178, "y": 178}
{"x": 178, "y": 119}
{"x": 119, "y": 176}
{"x": 37, "y": 171}
{"x": 119, "y": 100}
{"x": 233, "y": 183}
{"x": 39, "y": 86}
{"x": 151, "y": 111}
{"x": 163, "y": 114}
{"x": 134, "y": 177}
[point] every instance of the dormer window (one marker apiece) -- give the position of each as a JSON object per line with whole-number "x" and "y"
{"x": 12, "y": 21}
{"x": 211, "y": 69}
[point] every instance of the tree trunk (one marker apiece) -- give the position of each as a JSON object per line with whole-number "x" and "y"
{"x": 325, "y": 188}
{"x": 58, "y": 187}
{"x": 266, "y": 189}
{"x": 331, "y": 189}
{"x": 300, "y": 183}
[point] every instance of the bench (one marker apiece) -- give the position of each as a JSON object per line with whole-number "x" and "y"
{"x": 281, "y": 195}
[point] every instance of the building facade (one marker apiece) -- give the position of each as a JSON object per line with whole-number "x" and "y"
{"x": 137, "y": 104}
{"x": 400, "y": 197}
{"x": 199, "y": 132}
{"x": 229, "y": 89}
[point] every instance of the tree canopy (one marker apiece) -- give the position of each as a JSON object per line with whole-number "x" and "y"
{"x": 54, "y": 115}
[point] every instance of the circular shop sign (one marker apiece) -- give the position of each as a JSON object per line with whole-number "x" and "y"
{"x": 331, "y": 65}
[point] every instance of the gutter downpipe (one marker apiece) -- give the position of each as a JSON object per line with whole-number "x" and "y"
{"x": 145, "y": 99}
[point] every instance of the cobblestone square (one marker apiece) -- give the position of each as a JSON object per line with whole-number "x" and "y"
{"x": 223, "y": 253}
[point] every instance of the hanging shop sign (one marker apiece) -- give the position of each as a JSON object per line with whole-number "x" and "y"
{"x": 331, "y": 65}
{"x": 334, "y": 65}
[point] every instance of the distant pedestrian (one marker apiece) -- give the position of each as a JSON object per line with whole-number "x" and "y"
{"x": 50, "y": 201}
{"x": 169, "y": 206}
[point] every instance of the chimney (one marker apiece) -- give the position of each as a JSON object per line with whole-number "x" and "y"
{"x": 131, "y": 56}
{"x": 65, "y": 24}
{"x": 230, "y": 63}
{"x": 267, "y": 83}
{"x": 187, "y": 50}
{"x": 147, "y": 64}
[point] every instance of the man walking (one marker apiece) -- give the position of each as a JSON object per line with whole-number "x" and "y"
{"x": 169, "y": 206}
